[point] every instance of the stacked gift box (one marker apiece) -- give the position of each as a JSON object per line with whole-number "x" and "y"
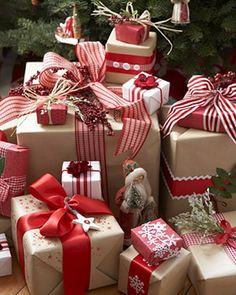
{"x": 79, "y": 210}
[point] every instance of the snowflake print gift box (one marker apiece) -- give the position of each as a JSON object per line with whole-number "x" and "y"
{"x": 156, "y": 241}
{"x": 5, "y": 257}
{"x": 154, "y": 91}
{"x": 136, "y": 277}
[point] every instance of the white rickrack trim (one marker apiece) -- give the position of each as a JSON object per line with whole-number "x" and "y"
{"x": 184, "y": 177}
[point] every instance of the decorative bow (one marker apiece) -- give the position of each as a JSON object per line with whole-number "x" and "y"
{"x": 145, "y": 82}
{"x": 228, "y": 236}
{"x": 77, "y": 167}
{"x": 202, "y": 93}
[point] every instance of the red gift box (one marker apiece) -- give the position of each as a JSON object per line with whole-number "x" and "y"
{"x": 132, "y": 33}
{"x": 14, "y": 161}
{"x": 156, "y": 241}
{"x": 55, "y": 114}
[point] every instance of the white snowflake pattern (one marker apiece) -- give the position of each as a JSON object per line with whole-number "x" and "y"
{"x": 152, "y": 230}
{"x": 173, "y": 253}
{"x": 170, "y": 240}
{"x": 161, "y": 251}
{"x": 136, "y": 284}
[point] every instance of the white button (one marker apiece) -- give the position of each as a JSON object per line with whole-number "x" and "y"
{"x": 126, "y": 66}
{"x": 116, "y": 64}
{"x": 136, "y": 67}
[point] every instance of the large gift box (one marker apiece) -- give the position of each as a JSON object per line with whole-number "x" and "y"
{"x": 213, "y": 267}
{"x": 51, "y": 145}
{"x": 137, "y": 277}
{"x": 153, "y": 90}
{"x": 123, "y": 60}
{"x": 5, "y": 257}
{"x": 156, "y": 241}
{"x": 82, "y": 177}
{"x": 13, "y": 171}
{"x": 80, "y": 260}
{"x": 189, "y": 159}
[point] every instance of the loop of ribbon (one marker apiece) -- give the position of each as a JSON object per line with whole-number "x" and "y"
{"x": 135, "y": 117}
{"x": 219, "y": 103}
{"x": 77, "y": 167}
{"x": 57, "y": 222}
{"x": 145, "y": 82}
{"x": 228, "y": 236}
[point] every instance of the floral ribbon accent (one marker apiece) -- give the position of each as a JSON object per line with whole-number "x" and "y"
{"x": 146, "y": 82}
{"x": 227, "y": 239}
{"x": 228, "y": 236}
{"x": 219, "y": 103}
{"x": 77, "y": 167}
{"x": 57, "y": 222}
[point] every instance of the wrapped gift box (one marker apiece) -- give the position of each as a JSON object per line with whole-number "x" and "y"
{"x": 5, "y": 227}
{"x": 45, "y": 254}
{"x": 154, "y": 97}
{"x": 13, "y": 177}
{"x": 87, "y": 183}
{"x": 132, "y": 33}
{"x": 54, "y": 114}
{"x": 211, "y": 269}
{"x": 165, "y": 279}
{"x": 5, "y": 257}
{"x": 125, "y": 60}
{"x": 62, "y": 138}
{"x": 189, "y": 160}
{"x": 156, "y": 241}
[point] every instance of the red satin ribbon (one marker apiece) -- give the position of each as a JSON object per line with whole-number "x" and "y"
{"x": 140, "y": 272}
{"x": 3, "y": 136}
{"x": 228, "y": 236}
{"x": 58, "y": 223}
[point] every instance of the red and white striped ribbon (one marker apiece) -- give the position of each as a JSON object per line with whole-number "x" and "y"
{"x": 220, "y": 106}
{"x": 191, "y": 239}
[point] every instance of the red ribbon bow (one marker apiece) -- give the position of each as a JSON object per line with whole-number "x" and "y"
{"x": 57, "y": 222}
{"x": 145, "y": 82}
{"x": 77, "y": 167}
{"x": 228, "y": 236}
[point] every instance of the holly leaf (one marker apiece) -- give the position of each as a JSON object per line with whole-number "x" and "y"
{"x": 233, "y": 180}
{"x": 230, "y": 188}
{"x": 2, "y": 165}
{"x": 225, "y": 194}
{"x": 214, "y": 191}
{"x": 222, "y": 173}
{"x": 233, "y": 172}
{"x": 217, "y": 181}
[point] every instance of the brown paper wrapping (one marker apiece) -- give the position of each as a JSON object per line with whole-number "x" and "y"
{"x": 51, "y": 145}
{"x": 192, "y": 152}
{"x": 167, "y": 279}
{"x": 43, "y": 256}
{"x": 211, "y": 270}
{"x": 5, "y": 227}
{"x": 115, "y": 46}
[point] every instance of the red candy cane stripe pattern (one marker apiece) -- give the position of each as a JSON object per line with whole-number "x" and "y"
{"x": 220, "y": 106}
{"x": 191, "y": 239}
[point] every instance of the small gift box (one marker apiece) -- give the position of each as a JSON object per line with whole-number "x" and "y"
{"x": 13, "y": 170}
{"x": 82, "y": 177}
{"x": 156, "y": 241}
{"x": 52, "y": 236}
{"x": 138, "y": 277}
{"x": 5, "y": 257}
{"x": 132, "y": 33}
{"x": 55, "y": 114}
{"x": 154, "y": 91}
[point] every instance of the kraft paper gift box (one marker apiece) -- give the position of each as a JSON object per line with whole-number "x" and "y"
{"x": 165, "y": 279}
{"x": 154, "y": 97}
{"x": 14, "y": 164}
{"x": 132, "y": 33}
{"x": 156, "y": 241}
{"x": 5, "y": 257}
{"x": 189, "y": 160}
{"x": 5, "y": 227}
{"x": 55, "y": 114}
{"x": 87, "y": 183}
{"x": 43, "y": 256}
{"x": 212, "y": 270}
{"x": 123, "y": 60}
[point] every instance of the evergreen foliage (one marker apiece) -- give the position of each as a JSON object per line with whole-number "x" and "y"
{"x": 204, "y": 42}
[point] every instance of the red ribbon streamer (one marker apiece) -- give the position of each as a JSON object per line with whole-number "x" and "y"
{"x": 57, "y": 222}
{"x": 139, "y": 271}
{"x": 228, "y": 236}
{"x": 3, "y": 136}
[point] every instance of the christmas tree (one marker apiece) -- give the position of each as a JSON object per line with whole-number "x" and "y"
{"x": 204, "y": 43}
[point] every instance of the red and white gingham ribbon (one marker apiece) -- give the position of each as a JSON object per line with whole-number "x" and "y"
{"x": 220, "y": 106}
{"x": 191, "y": 239}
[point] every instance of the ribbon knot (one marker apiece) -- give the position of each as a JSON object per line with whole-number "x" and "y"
{"x": 77, "y": 167}
{"x": 228, "y": 236}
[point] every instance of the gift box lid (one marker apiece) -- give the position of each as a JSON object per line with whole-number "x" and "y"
{"x": 144, "y": 49}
